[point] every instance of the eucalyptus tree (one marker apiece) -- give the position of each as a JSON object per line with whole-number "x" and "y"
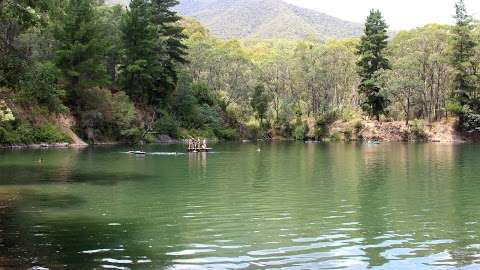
{"x": 426, "y": 50}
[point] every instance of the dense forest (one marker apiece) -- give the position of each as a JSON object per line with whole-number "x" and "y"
{"x": 134, "y": 75}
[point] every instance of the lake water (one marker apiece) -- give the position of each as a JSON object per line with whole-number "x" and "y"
{"x": 290, "y": 206}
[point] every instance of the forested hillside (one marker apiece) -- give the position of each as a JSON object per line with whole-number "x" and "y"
{"x": 263, "y": 19}
{"x": 139, "y": 74}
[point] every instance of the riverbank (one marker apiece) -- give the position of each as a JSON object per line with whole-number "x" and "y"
{"x": 396, "y": 131}
{"x": 356, "y": 130}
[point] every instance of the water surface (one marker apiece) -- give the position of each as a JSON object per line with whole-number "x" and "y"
{"x": 290, "y": 206}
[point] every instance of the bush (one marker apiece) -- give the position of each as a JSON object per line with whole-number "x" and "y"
{"x": 226, "y": 133}
{"x": 348, "y": 114}
{"x": 417, "y": 129}
{"x": 203, "y": 94}
{"x": 197, "y": 133}
{"x": 299, "y": 132}
{"x": 49, "y": 133}
{"x": 358, "y": 126}
{"x": 26, "y": 134}
{"x": 5, "y": 136}
{"x": 104, "y": 116}
{"x": 454, "y": 108}
{"x": 335, "y": 137}
{"x": 40, "y": 84}
{"x": 167, "y": 125}
{"x": 469, "y": 121}
{"x": 327, "y": 118}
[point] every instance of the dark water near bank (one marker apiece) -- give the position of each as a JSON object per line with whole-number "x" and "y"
{"x": 290, "y": 206}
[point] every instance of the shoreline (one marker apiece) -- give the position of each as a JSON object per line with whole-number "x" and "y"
{"x": 180, "y": 142}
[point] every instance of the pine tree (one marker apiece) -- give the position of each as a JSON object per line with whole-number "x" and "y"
{"x": 463, "y": 55}
{"x": 170, "y": 42}
{"x": 153, "y": 48}
{"x": 259, "y": 102}
{"x": 141, "y": 65}
{"x": 80, "y": 52}
{"x": 372, "y": 60}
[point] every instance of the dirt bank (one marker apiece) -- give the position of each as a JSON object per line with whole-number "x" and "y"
{"x": 365, "y": 130}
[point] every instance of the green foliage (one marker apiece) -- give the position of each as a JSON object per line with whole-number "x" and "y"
{"x": 259, "y": 102}
{"x": 80, "y": 52}
{"x": 469, "y": 120}
{"x": 38, "y": 85}
{"x": 197, "y": 133}
{"x": 300, "y": 132}
{"x": 167, "y": 125}
{"x": 372, "y": 60}
{"x": 153, "y": 46}
{"x": 5, "y": 112}
{"x": 16, "y": 18}
{"x": 203, "y": 94}
{"x": 463, "y": 55}
{"x": 104, "y": 116}
{"x": 417, "y": 129}
{"x": 466, "y": 77}
{"x": 226, "y": 134}
{"x": 24, "y": 134}
{"x": 455, "y": 108}
{"x": 49, "y": 133}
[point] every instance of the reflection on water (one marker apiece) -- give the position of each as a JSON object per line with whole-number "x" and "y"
{"x": 290, "y": 206}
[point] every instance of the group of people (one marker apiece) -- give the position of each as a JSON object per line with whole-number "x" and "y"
{"x": 197, "y": 144}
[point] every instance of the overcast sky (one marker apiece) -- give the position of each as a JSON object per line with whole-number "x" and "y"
{"x": 400, "y": 14}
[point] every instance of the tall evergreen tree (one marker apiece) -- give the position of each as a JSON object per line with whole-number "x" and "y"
{"x": 463, "y": 55}
{"x": 372, "y": 59}
{"x": 80, "y": 52}
{"x": 170, "y": 40}
{"x": 259, "y": 102}
{"x": 141, "y": 66}
{"x": 153, "y": 47}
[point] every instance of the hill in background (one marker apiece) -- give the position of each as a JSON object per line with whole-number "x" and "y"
{"x": 263, "y": 19}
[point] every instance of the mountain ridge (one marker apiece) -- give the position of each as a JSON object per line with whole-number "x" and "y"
{"x": 263, "y": 19}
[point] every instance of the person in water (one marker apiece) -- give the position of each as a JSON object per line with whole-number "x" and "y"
{"x": 204, "y": 144}
{"x": 189, "y": 142}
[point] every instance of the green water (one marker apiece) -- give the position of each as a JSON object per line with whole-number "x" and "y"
{"x": 290, "y": 206}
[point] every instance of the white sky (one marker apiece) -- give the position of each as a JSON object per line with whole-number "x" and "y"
{"x": 399, "y": 14}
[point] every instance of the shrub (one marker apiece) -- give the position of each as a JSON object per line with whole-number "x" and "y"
{"x": 226, "y": 133}
{"x": 417, "y": 129}
{"x": 24, "y": 133}
{"x": 40, "y": 84}
{"x": 454, "y": 108}
{"x": 335, "y": 137}
{"x": 5, "y": 136}
{"x": 197, "y": 133}
{"x": 106, "y": 116}
{"x": 203, "y": 94}
{"x": 299, "y": 132}
{"x": 167, "y": 125}
{"x": 5, "y": 112}
{"x": 49, "y": 133}
{"x": 358, "y": 126}
{"x": 348, "y": 114}
{"x": 469, "y": 121}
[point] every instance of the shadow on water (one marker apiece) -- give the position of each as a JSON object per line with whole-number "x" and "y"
{"x": 28, "y": 239}
{"x": 35, "y": 174}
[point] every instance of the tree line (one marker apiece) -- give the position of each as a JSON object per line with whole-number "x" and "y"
{"x": 132, "y": 74}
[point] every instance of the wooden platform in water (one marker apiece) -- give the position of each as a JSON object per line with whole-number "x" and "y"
{"x": 196, "y": 150}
